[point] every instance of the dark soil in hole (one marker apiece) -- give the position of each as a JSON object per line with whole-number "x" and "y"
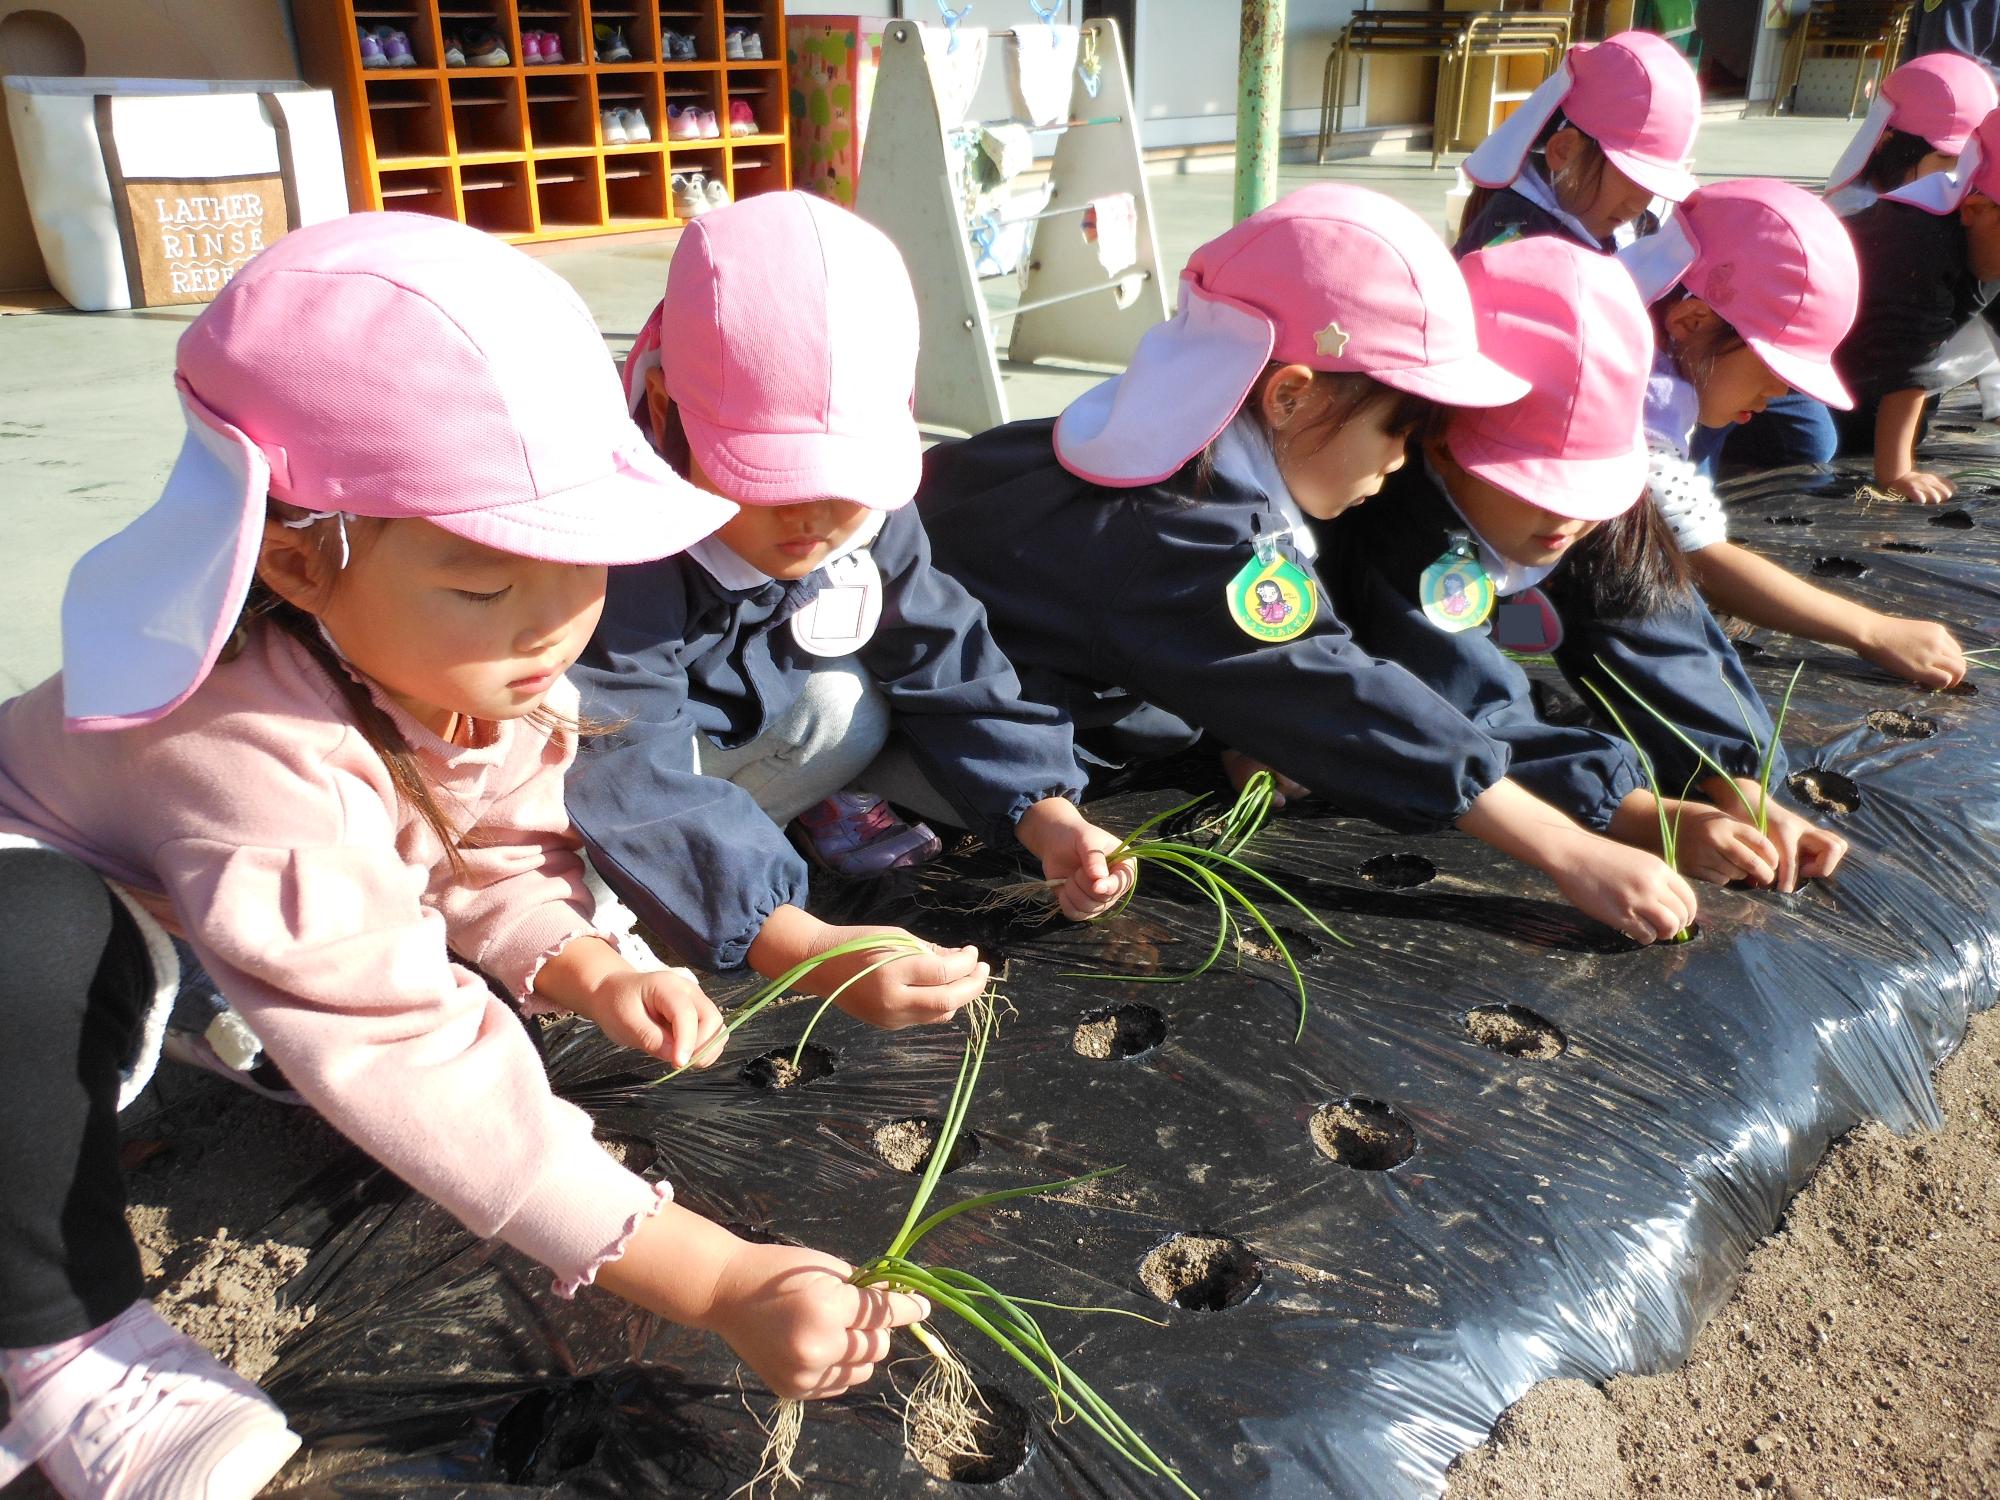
{"x": 1899, "y": 725}
{"x": 1789, "y": 520}
{"x": 631, "y": 1153}
{"x": 1364, "y": 1134}
{"x": 1201, "y": 1272}
{"x": 776, "y": 1070}
{"x": 1002, "y": 1440}
{"x": 1904, "y": 547}
{"x": 1829, "y": 791}
{"x": 1748, "y": 650}
{"x": 1397, "y": 872}
{"x": 551, "y": 1432}
{"x": 1955, "y": 520}
{"x": 1252, "y": 943}
{"x": 906, "y": 1145}
{"x": 1840, "y": 567}
{"x": 1966, "y": 689}
{"x": 1516, "y": 1031}
{"x": 1121, "y": 1031}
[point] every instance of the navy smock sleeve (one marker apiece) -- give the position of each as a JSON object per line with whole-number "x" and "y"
{"x": 988, "y": 750}
{"x": 1362, "y": 732}
{"x": 693, "y": 856}
{"x": 1679, "y": 661}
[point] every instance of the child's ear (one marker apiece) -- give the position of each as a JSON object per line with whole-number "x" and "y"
{"x": 1688, "y": 318}
{"x": 1285, "y": 394}
{"x": 1561, "y": 149}
{"x": 289, "y": 565}
{"x": 658, "y": 404}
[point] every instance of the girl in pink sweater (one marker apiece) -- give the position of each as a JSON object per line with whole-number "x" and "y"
{"x": 313, "y": 721}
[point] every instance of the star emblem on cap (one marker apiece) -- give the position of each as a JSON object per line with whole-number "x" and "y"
{"x": 1330, "y": 341}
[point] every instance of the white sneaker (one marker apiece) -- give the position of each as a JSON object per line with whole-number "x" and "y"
{"x": 613, "y": 121}
{"x": 732, "y": 46}
{"x": 146, "y": 1413}
{"x": 717, "y": 194}
{"x": 636, "y": 128}
{"x": 690, "y": 195}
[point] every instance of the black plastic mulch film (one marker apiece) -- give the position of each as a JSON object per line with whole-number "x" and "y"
{"x": 1569, "y": 1192}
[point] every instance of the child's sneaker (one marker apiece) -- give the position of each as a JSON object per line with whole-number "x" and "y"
{"x": 371, "y": 50}
{"x": 610, "y": 41}
{"x": 741, "y": 119}
{"x": 145, "y": 1413}
{"x": 683, "y": 123}
{"x": 484, "y": 49}
{"x": 454, "y": 54}
{"x": 855, "y": 833}
{"x": 690, "y": 196}
{"x": 718, "y": 195}
{"x": 677, "y": 46}
{"x": 613, "y": 123}
{"x": 711, "y": 130}
{"x": 636, "y": 128}
{"x": 396, "y": 48}
{"x": 732, "y": 44}
{"x": 531, "y": 48}
{"x": 753, "y": 46}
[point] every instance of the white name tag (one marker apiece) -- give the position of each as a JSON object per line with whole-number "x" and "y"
{"x": 842, "y": 618}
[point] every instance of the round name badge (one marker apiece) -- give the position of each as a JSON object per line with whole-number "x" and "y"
{"x": 842, "y": 617}
{"x": 1273, "y": 600}
{"x": 1456, "y": 593}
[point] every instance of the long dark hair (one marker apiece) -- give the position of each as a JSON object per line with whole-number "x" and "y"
{"x": 1631, "y": 565}
{"x": 1342, "y": 396}
{"x": 1576, "y": 183}
{"x": 1895, "y": 156}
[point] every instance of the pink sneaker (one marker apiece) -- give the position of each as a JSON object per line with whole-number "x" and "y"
{"x": 531, "y": 48}
{"x": 682, "y": 124}
{"x": 854, "y": 833}
{"x": 146, "y": 1413}
{"x": 552, "y": 51}
{"x": 710, "y": 130}
{"x": 742, "y": 120}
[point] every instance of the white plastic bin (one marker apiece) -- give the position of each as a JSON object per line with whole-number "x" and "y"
{"x": 151, "y": 191}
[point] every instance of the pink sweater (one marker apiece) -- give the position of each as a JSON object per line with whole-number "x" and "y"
{"x": 256, "y": 822}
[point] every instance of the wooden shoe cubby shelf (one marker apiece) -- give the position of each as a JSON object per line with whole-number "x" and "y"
{"x": 520, "y": 150}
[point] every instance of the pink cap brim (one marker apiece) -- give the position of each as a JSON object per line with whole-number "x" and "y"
{"x": 1816, "y": 377}
{"x": 1661, "y": 179}
{"x": 880, "y": 469}
{"x": 1474, "y": 380}
{"x": 1583, "y": 489}
{"x": 641, "y": 511}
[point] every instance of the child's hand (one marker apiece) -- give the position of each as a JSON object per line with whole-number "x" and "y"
{"x": 1239, "y": 768}
{"x": 663, "y": 1012}
{"x": 1624, "y": 888}
{"x": 1920, "y": 650}
{"x": 1718, "y": 848}
{"x": 794, "y": 1319}
{"x": 1925, "y": 489}
{"x": 1075, "y": 850}
{"x": 1805, "y": 850}
{"x": 913, "y": 989}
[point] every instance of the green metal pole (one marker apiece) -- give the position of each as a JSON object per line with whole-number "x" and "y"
{"x": 1260, "y": 100}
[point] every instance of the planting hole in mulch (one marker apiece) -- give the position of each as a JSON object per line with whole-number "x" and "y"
{"x": 549, "y": 1433}
{"x": 1829, "y": 791}
{"x": 1364, "y": 1134}
{"x": 1965, "y": 689}
{"x": 1120, "y": 1031}
{"x": 631, "y": 1153}
{"x": 1201, "y": 1272}
{"x": 1789, "y": 520}
{"x": 1904, "y": 547}
{"x": 776, "y": 1070}
{"x": 999, "y": 1433}
{"x": 1840, "y": 567}
{"x": 906, "y": 1145}
{"x": 1954, "y": 520}
{"x": 1516, "y": 1031}
{"x": 1397, "y": 872}
{"x": 1901, "y": 726}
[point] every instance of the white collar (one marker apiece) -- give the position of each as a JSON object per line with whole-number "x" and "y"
{"x": 1673, "y": 405}
{"x": 1242, "y": 455}
{"x": 728, "y": 569}
{"x": 1509, "y": 577}
{"x": 1535, "y": 188}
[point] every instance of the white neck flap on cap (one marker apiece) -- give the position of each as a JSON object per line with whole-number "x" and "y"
{"x": 1855, "y": 157}
{"x": 1659, "y": 260}
{"x": 1187, "y": 378}
{"x": 1942, "y": 192}
{"x": 1498, "y": 159}
{"x": 147, "y": 611}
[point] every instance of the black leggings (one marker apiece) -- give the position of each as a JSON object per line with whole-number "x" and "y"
{"x": 75, "y": 980}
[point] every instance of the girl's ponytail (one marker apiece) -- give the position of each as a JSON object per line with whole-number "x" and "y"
{"x": 1631, "y": 565}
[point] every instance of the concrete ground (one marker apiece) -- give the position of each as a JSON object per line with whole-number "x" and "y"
{"x": 89, "y": 426}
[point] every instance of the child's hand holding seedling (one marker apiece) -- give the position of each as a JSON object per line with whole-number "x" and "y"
{"x": 879, "y": 985}
{"x": 1805, "y": 850}
{"x": 1239, "y": 768}
{"x": 1626, "y": 888}
{"x": 1075, "y": 852}
{"x": 662, "y": 1011}
{"x": 1921, "y": 651}
{"x": 1721, "y": 849}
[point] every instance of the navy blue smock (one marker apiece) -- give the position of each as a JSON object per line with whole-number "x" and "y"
{"x": 677, "y": 655}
